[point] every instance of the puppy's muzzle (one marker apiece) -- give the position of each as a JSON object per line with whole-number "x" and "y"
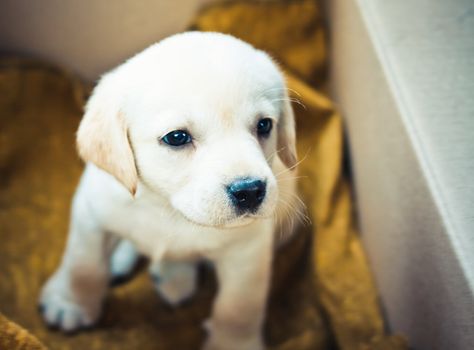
{"x": 247, "y": 194}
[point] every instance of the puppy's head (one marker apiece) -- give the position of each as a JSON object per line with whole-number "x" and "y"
{"x": 198, "y": 119}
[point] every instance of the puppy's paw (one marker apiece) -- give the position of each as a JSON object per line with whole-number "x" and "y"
{"x": 123, "y": 262}
{"x": 175, "y": 282}
{"x": 62, "y": 309}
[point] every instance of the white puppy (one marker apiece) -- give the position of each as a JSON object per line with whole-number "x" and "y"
{"x": 189, "y": 148}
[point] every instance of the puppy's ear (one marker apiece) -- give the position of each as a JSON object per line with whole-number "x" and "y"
{"x": 287, "y": 135}
{"x": 102, "y": 137}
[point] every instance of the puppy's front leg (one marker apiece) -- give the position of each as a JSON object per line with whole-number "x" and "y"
{"x": 244, "y": 275}
{"x": 72, "y": 297}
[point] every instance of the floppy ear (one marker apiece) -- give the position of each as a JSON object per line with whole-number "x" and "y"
{"x": 102, "y": 137}
{"x": 287, "y": 135}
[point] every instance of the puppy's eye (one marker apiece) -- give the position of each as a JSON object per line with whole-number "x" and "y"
{"x": 177, "y": 138}
{"x": 264, "y": 126}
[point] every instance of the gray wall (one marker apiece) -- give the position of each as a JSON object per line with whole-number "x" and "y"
{"x": 89, "y": 36}
{"x": 402, "y": 73}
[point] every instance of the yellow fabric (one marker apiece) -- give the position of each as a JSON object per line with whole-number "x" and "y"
{"x": 13, "y": 337}
{"x": 322, "y": 295}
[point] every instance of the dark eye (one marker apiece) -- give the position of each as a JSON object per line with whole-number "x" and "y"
{"x": 264, "y": 127}
{"x": 177, "y": 138}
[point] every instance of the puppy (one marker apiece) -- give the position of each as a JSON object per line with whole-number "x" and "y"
{"x": 189, "y": 150}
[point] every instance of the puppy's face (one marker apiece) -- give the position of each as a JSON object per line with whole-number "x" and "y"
{"x": 209, "y": 150}
{"x": 204, "y": 116}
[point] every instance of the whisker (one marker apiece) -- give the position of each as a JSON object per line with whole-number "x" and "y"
{"x": 287, "y": 214}
{"x": 275, "y": 152}
{"x": 294, "y": 195}
{"x": 294, "y": 165}
{"x": 293, "y": 91}
{"x": 279, "y": 222}
{"x": 291, "y": 178}
{"x": 291, "y": 99}
{"x": 301, "y": 211}
{"x": 282, "y": 88}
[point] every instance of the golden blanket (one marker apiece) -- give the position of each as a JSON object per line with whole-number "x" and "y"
{"x": 323, "y": 296}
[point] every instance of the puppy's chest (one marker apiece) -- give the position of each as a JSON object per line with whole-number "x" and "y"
{"x": 161, "y": 234}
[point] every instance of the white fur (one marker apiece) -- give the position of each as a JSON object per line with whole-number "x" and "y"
{"x": 124, "y": 259}
{"x": 171, "y": 203}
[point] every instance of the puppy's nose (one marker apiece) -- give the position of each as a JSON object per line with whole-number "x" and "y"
{"x": 247, "y": 194}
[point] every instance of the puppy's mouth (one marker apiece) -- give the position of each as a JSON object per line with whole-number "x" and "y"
{"x": 224, "y": 213}
{"x": 242, "y": 220}
{"x": 226, "y": 223}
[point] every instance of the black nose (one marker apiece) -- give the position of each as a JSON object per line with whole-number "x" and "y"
{"x": 247, "y": 194}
